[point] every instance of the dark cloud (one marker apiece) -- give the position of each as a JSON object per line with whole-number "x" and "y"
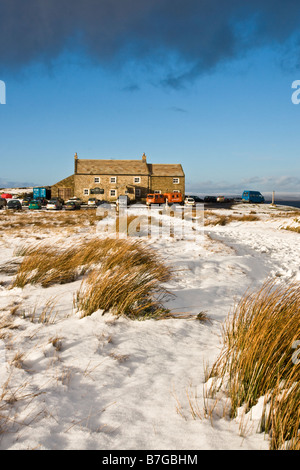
{"x": 199, "y": 34}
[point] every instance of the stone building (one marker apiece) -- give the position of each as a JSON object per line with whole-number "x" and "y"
{"x": 108, "y": 179}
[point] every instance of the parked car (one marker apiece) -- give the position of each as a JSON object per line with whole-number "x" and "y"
{"x": 6, "y": 196}
{"x": 42, "y": 200}
{"x": 155, "y": 198}
{"x": 221, "y": 199}
{"x": 35, "y": 204}
{"x": 54, "y": 204}
{"x": 59, "y": 199}
{"x": 77, "y": 199}
{"x": 26, "y": 201}
{"x": 102, "y": 201}
{"x": 93, "y": 201}
{"x": 210, "y": 199}
{"x": 72, "y": 206}
{"x": 3, "y": 203}
{"x": 174, "y": 198}
{"x": 14, "y": 204}
{"x": 253, "y": 196}
{"x": 196, "y": 198}
{"x": 189, "y": 201}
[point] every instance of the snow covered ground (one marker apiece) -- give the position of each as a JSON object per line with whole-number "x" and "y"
{"x": 102, "y": 382}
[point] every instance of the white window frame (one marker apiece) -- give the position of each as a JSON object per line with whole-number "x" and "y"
{"x": 97, "y": 179}
{"x": 176, "y": 181}
{"x": 112, "y": 195}
{"x": 86, "y": 192}
{"x": 113, "y": 179}
{"x": 137, "y": 180}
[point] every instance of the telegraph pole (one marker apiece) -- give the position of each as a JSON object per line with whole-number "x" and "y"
{"x": 273, "y": 198}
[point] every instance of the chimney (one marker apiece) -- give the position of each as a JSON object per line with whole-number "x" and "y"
{"x": 75, "y": 162}
{"x": 144, "y": 158}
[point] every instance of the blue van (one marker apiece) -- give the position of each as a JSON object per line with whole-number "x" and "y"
{"x": 252, "y": 196}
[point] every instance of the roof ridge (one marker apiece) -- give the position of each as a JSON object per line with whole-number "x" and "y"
{"x": 111, "y": 159}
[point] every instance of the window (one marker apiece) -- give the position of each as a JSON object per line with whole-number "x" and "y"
{"x": 157, "y": 191}
{"x": 176, "y": 191}
{"x": 175, "y": 180}
{"x": 97, "y": 179}
{"x": 137, "y": 180}
{"x": 138, "y": 192}
{"x": 113, "y": 193}
{"x": 86, "y": 192}
{"x": 113, "y": 179}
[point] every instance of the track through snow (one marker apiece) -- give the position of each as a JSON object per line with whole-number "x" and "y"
{"x": 105, "y": 383}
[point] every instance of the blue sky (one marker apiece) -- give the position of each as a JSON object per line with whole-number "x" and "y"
{"x": 231, "y": 124}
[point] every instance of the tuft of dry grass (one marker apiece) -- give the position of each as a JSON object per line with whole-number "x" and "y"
{"x": 128, "y": 282}
{"x": 217, "y": 219}
{"x": 49, "y": 265}
{"x": 45, "y": 314}
{"x": 258, "y": 359}
{"x": 7, "y": 323}
{"x": 121, "y": 275}
{"x": 46, "y": 265}
{"x": 203, "y": 317}
{"x": 21, "y": 223}
{"x": 294, "y": 228}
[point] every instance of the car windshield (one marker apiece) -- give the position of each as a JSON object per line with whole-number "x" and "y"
{"x": 53, "y": 202}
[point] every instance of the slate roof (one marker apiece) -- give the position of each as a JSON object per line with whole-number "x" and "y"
{"x": 127, "y": 167}
{"x": 162, "y": 169}
{"x": 112, "y": 167}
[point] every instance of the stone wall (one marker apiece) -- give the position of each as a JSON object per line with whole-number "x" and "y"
{"x": 80, "y": 185}
{"x": 165, "y": 184}
{"x": 135, "y": 190}
{"x": 64, "y": 188}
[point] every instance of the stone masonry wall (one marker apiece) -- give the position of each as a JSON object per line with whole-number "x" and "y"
{"x": 165, "y": 184}
{"x": 67, "y": 183}
{"x": 123, "y": 183}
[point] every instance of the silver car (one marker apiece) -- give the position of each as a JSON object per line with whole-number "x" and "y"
{"x": 54, "y": 205}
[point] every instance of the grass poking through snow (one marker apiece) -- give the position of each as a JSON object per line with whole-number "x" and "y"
{"x": 258, "y": 360}
{"x": 121, "y": 275}
{"x": 128, "y": 282}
